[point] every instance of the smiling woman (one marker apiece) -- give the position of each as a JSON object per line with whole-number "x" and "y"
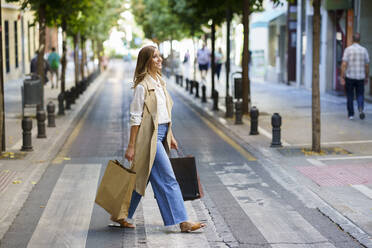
{"x": 151, "y": 138}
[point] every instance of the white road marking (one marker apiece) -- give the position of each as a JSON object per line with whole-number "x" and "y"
{"x": 160, "y": 236}
{"x": 278, "y": 222}
{"x": 346, "y": 142}
{"x": 316, "y": 162}
{"x": 66, "y": 218}
{"x": 364, "y": 190}
{"x": 345, "y": 158}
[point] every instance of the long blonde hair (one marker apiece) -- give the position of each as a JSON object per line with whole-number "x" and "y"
{"x": 144, "y": 61}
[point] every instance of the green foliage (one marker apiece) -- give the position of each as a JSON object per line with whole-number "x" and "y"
{"x": 91, "y": 18}
{"x": 157, "y": 19}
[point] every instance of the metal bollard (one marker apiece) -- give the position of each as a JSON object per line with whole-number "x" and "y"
{"x": 61, "y": 107}
{"x": 26, "y": 128}
{"x": 204, "y": 97}
{"x": 68, "y": 99}
{"x": 41, "y": 124}
{"x": 215, "y": 100}
{"x": 276, "y": 122}
{"x": 196, "y": 83}
{"x": 238, "y": 112}
{"x": 187, "y": 84}
{"x": 72, "y": 95}
{"x": 51, "y": 108}
{"x": 192, "y": 82}
{"x": 229, "y": 107}
{"x": 254, "y": 121}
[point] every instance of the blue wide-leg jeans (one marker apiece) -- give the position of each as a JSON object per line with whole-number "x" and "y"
{"x": 164, "y": 184}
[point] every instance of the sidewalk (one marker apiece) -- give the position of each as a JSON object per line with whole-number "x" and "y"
{"x": 20, "y": 171}
{"x": 337, "y": 184}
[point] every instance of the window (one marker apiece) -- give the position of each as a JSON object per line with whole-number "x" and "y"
{"x": 7, "y": 62}
{"x": 16, "y": 43}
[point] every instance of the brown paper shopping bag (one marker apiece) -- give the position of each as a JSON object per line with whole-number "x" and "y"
{"x": 115, "y": 190}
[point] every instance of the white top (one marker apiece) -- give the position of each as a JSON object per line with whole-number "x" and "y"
{"x": 356, "y": 57}
{"x": 136, "y": 107}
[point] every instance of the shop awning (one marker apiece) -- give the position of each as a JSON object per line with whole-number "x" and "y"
{"x": 267, "y": 17}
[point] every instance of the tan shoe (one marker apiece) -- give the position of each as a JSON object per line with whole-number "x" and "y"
{"x": 123, "y": 223}
{"x": 191, "y": 226}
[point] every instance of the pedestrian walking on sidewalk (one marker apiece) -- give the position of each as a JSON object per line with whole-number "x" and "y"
{"x": 151, "y": 138}
{"x": 33, "y": 67}
{"x": 354, "y": 75}
{"x": 54, "y": 60}
{"x": 218, "y": 57}
{"x": 203, "y": 58}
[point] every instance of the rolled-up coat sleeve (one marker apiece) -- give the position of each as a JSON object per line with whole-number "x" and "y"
{"x": 136, "y": 107}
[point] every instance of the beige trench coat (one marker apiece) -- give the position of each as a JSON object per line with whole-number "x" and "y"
{"x": 145, "y": 146}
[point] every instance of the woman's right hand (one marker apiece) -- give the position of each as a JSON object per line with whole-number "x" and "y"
{"x": 129, "y": 153}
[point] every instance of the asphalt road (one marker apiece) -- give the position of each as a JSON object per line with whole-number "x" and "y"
{"x": 243, "y": 205}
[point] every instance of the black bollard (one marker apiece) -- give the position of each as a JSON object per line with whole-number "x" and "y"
{"x": 61, "y": 107}
{"x": 192, "y": 84}
{"x": 68, "y": 99}
{"x": 51, "y": 108}
{"x": 254, "y": 121}
{"x": 181, "y": 81}
{"x": 72, "y": 95}
{"x": 176, "y": 76}
{"x": 229, "y": 107}
{"x": 238, "y": 112}
{"x": 40, "y": 117}
{"x": 276, "y": 122}
{"x": 26, "y": 128}
{"x": 204, "y": 96}
{"x": 187, "y": 84}
{"x": 215, "y": 100}
{"x": 196, "y": 83}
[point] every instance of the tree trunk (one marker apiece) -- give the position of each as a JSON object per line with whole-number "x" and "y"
{"x": 315, "y": 83}
{"x": 41, "y": 51}
{"x": 82, "y": 59}
{"x": 100, "y": 55}
{"x": 76, "y": 58}
{"x": 245, "y": 60}
{"x": 171, "y": 57}
{"x": 40, "y": 58}
{"x": 228, "y": 21}
{"x": 63, "y": 59}
{"x": 213, "y": 65}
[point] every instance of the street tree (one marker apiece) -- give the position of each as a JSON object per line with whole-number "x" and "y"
{"x": 315, "y": 82}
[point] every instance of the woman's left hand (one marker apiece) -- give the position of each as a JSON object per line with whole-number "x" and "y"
{"x": 174, "y": 144}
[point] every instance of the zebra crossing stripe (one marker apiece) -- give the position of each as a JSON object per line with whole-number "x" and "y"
{"x": 66, "y": 218}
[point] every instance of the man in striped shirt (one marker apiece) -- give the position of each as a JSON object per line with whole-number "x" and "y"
{"x": 354, "y": 74}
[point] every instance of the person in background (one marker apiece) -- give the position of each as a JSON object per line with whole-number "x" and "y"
{"x": 218, "y": 58}
{"x": 203, "y": 58}
{"x": 53, "y": 61}
{"x": 33, "y": 67}
{"x": 354, "y": 75}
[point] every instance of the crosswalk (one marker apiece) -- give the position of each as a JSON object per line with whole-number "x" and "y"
{"x": 66, "y": 219}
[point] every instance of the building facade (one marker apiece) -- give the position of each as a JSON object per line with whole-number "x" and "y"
{"x": 20, "y": 40}
{"x": 339, "y": 20}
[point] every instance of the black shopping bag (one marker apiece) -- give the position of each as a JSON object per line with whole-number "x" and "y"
{"x": 187, "y": 177}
